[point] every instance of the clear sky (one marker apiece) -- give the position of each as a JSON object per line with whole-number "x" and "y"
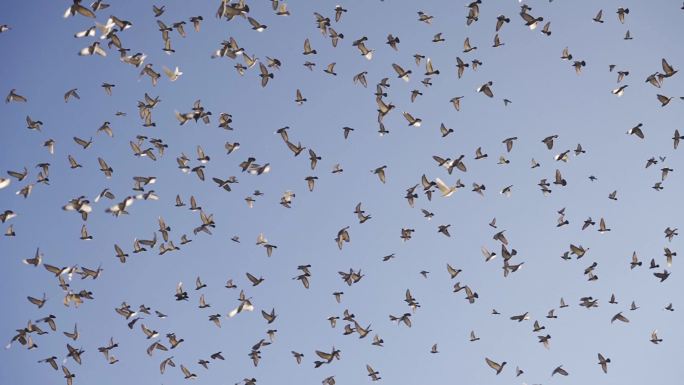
{"x": 548, "y": 97}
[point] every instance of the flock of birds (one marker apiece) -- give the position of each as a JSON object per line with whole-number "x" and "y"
{"x": 105, "y": 36}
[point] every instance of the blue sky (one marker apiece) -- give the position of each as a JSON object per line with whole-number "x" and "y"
{"x": 548, "y": 98}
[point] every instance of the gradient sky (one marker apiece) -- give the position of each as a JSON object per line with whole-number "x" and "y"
{"x": 548, "y": 98}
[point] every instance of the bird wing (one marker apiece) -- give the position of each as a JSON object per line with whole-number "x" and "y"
{"x": 492, "y": 364}
{"x": 442, "y": 186}
{"x": 397, "y": 68}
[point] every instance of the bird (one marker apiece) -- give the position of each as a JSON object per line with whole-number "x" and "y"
{"x": 422, "y": 16}
{"x": 531, "y": 21}
{"x": 265, "y": 75}
{"x": 330, "y": 69}
{"x": 664, "y": 100}
{"x": 520, "y": 317}
{"x": 71, "y": 93}
{"x": 298, "y": 356}
{"x": 77, "y": 8}
{"x": 93, "y": 49}
{"x": 500, "y": 21}
{"x": 495, "y": 365}
{"x": 486, "y": 89}
{"x": 676, "y": 138}
{"x": 68, "y": 375}
{"x": 578, "y": 64}
{"x": 636, "y": 130}
{"x": 13, "y": 96}
{"x": 372, "y": 373}
{"x": 602, "y": 226}
{"x": 544, "y": 340}
{"x": 186, "y": 373}
{"x": 559, "y": 370}
{"x": 412, "y": 122}
{"x": 667, "y": 69}
{"x": 173, "y": 75}
{"x": 620, "y": 90}
{"x": 461, "y": 66}
{"x": 566, "y": 55}
{"x": 467, "y": 47}
{"x": 621, "y": 12}
{"x": 654, "y": 337}
{"x": 598, "y": 17}
{"x": 342, "y": 237}
{"x": 380, "y": 172}
{"x": 619, "y": 317}
{"x": 401, "y": 73}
